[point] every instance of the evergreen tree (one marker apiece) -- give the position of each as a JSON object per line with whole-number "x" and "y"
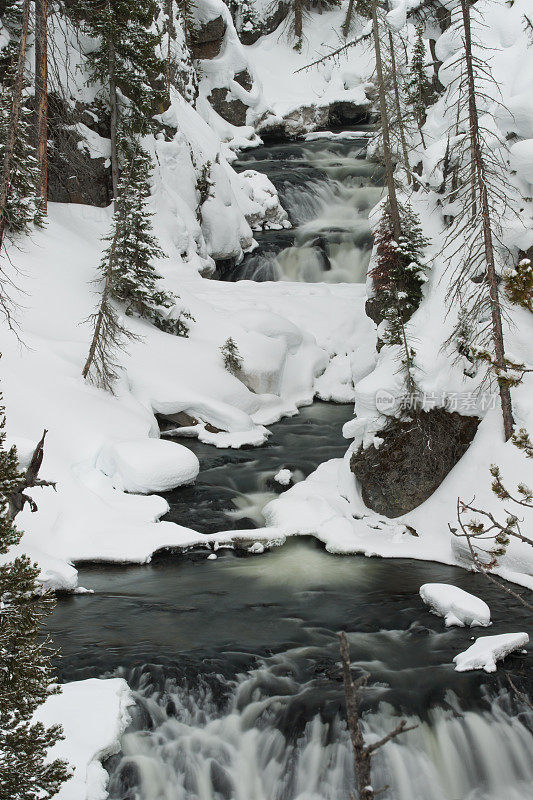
{"x": 176, "y": 44}
{"x": 247, "y": 19}
{"x": 26, "y": 677}
{"x": 232, "y": 357}
{"x": 419, "y": 90}
{"x": 519, "y": 284}
{"x": 133, "y": 278}
{"x": 19, "y": 205}
{"x": 125, "y": 62}
{"x": 483, "y": 197}
{"x": 398, "y": 277}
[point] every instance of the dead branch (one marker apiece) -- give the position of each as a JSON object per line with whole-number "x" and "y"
{"x": 362, "y": 752}
{"x": 29, "y": 480}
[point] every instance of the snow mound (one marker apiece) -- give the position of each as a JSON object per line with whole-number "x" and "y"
{"x": 283, "y": 477}
{"x": 455, "y": 605}
{"x": 148, "y": 465}
{"x": 487, "y": 650}
{"x": 94, "y": 715}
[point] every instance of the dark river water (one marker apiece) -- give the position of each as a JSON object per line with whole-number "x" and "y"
{"x": 234, "y": 662}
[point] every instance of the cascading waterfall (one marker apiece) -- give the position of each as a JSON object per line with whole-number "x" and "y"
{"x": 261, "y": 737}
{"x": 328, "y": 199}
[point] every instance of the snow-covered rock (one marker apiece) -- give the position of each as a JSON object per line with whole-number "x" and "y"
{"x": 283, "y": 477}
{"x": 455, "y": 605}
{"x": 487, "y": 650}
{"x": 148, "y": 465}
{"x": 93, "y": 714}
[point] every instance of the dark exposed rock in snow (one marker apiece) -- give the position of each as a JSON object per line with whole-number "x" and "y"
{"x": 229, "y": 107}
{"x": 208, "y": 39}
{"x": 412, "y": 460}
{"x": 275, "y": 14}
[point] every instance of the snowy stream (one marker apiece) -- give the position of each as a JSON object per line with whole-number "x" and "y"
{"x": 234, "y": 661}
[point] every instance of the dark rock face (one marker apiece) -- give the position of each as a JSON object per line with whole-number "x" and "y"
{"x": 73, "y": 176}
{"x": 244, "y": 79}
{"x": 413, "y": 460}
{"x": 229, "y": 107}
{"x": 208, "y": 39}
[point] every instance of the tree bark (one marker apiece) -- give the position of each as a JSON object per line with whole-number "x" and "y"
{"x": 298, "y": 19}
{"x": 398, "y": 107}
{"x": 387, "y": 150}
{"x": 171, "y": 33}
{"x": 497, "y": 330}
{"x": 41, "y": 95}
{"x": 114, "y": 112}
{"x": 13, "y": 120}
{"x": 348, "y": 19}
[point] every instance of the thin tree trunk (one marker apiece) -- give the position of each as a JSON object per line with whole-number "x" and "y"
{"x": 41, "y": 95}
{"x": 104, "y": 300}
{"x": 348, "y": 19}
{"x": 113, "y": 104}
{"x": 298, "y": 19}
{"x": 171, "y": 32}
{"x": 387, "y": 151}
{"x": 497, "y": 331}
{"x": 13, "y": 121}
{"x": 362, "y": 758}
{"x": 398, "y": 107}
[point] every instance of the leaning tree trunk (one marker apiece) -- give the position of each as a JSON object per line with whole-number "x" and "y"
{"x": 13, "y": 121}
{"x": 348, "y": 19}
{"x": 477, "y": 157}
{"x": 41, "y": 95}
{"x": 385, "y": 129}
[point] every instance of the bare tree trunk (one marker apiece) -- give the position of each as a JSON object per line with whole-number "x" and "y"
{"x": 41, "y": 95}
{"x": 497, "y": 330}
{"x": 13, "y": 121}
{"x": 362, "y": 752}
{"x": 113, "y": 104}
{"x": 387, "y": 151}
{"x": 348, "y": 19}
{"x": 298, "y": 19}
{"x": 398, "y": 108}
{"x": 29, "y": 480}
{"x": 171, "y": 32}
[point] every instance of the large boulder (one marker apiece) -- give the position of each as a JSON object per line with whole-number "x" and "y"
{"x": 411, "y": 458}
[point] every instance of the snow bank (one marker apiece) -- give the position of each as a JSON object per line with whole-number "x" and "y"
{"x": 487, "y": 650}
{"x": 94, "y": 714}
{"x": 455, "y": 605}
{"x": 148, "y": 465}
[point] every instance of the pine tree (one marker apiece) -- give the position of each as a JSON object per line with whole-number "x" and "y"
{"x": 125, "y": 62}
{"x": 484, "y": 197}
{"x": 18, "y": 204}
{"x": 180, "y": 70}
{"x": 398, "y": 277}
{"x": 232, "y": 357}
{"x": 419, "y": 89}
{"x": 247, "y": 19}
{"x": 519, "y": 284}
{"x": 133, "y": 278}
{"x": 26, "y": 677}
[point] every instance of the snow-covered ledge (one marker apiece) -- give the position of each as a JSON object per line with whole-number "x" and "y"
{"x": 94, "y": 714}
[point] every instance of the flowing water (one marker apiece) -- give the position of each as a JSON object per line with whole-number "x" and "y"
{"x": 234, "y": 662}
{"x": 328, "y": 189}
